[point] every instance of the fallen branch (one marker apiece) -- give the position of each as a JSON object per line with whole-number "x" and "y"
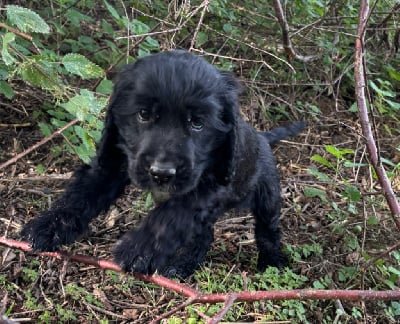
{"x": 212, "y": 298}
{"x": 360, "y": 87}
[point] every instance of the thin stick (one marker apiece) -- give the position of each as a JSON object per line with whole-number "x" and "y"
{"x": 220, "y": 315}
{"x": 360, "y": 87}
{"x": 38, "y": 144}
{"x": 196, "y": 32}
{"x": 212, "y": 298}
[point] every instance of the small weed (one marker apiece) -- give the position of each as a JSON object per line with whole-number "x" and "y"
{"x": 78, "y": 293}
{"x": 65, "y": 314}
{"x": 31, "y": 302}
{"x": 299, "y": 252}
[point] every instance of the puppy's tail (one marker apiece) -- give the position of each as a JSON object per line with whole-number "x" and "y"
{"x": 275, "y": 135}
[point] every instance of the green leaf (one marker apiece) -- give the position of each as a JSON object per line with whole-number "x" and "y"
{"x": 318, "y": 285}
{"x": 7, "y": 57}
{"x": 45, "y": 129}
{"x": 372, "y": 220}
{"x": 314, "y": 192}
{"x": 227, "y": 28}
{"x": 394, "y": 271}
{"x": 27, "y": 20}
{"x": 202, "y": 37}
{"x": 349, "y": 164}
{"x": 139, "y": 28}
{"x": 352, "y": 193}
{"x": 393, "y": 73}
{"x": 381, "y": 92}
{"x": 85, "y": 137}
{"x": 79, "y": 65}
{"x": 151, "y": 43}
{"x": 85, "y": 104}
{"x": 105, "y": 87}
{"x": 40, "y": 169}
{"x": 394, "y": 105}
{"x": 41, "y": 74}
{"x": 319, "y": 175}
{"x": 338, "y": 153}
{"x": 353, "y": 108}
{"x": 114, "y": 13}
{"x": 322, "y": 160}
{"x": 84, "y": 153}
{"x": 6, "y": 90}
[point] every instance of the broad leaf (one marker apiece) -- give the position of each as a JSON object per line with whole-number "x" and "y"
{"x": 27, "y": 20}
{"x": 7, "y": 57}
{"x": 79, "y": 65}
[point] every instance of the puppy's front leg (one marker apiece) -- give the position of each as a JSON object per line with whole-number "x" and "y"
{"x": 93, "y": 188}
{"x": 69, "y": 216}
{"x": 173, "y": 239}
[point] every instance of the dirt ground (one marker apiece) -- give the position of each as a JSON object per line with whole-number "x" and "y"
{"x": 305, "y": 220}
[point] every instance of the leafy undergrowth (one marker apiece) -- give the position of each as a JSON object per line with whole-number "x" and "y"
{"x": 335, "y": 221}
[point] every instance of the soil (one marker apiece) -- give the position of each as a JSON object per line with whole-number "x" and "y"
{"x": 24, "y": 192}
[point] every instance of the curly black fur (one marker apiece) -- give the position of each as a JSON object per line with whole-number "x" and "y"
{"x": 173, "y": 127}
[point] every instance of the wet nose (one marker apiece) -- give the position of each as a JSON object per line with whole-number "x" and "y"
{"x": 162, "y": 173}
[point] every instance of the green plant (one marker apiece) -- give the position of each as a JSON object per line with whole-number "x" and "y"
{"x": 45, "y": 317}
{"x": 78, "y": 293}
{"x": 65, "y": 315}
{"x": 31, "y": 274}
{"x": 299, "y": 252}
{"x": 31, "y": 302}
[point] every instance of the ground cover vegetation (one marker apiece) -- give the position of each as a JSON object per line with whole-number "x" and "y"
{"x": 57, "y": 62}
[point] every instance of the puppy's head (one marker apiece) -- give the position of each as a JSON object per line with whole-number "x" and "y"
{"x": 176, "y": 117}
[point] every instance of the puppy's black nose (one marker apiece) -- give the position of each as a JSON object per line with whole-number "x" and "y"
{"x": 162, "y": 173}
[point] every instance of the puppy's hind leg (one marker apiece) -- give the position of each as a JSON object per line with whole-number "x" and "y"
{"x": 266, "y": 209}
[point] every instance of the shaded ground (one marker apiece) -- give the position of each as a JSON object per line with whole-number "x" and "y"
{"x": 346, "y": 237}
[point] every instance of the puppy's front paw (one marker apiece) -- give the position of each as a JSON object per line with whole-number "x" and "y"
{"x": 141, "y": 252}
{"x": 50, "y": 230}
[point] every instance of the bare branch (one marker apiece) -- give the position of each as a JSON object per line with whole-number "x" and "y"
{"x": 212, "y": 298}
{"x": 204, "y": 5}
{"x": 360, "y": 87}
{"x": 287, "y": 44}
{"x": 38, "y": 144}
{"x": 231, "y": 298}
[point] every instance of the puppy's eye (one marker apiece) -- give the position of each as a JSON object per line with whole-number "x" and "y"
{"x": 196, "y": 124}
{"x": 143, "y": 115}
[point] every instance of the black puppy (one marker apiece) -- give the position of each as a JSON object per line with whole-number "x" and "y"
{"x": 173, "y": 127}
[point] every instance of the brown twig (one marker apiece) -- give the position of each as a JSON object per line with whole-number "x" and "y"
{"x": 287, "y": 43}
{"x": 231, "y": 298}
{"x": 21, "y": 34}
{"x": 16, "y": 31}
{"x": 103, "y": 264}
{"x": 181, "y": 306}
{"x": 212, "y": 298}
{"x": 38, "y": 144}
{"x": 204, "y": 5}
{"x": 379, "y": 256}
{"x": 360, "y": 88}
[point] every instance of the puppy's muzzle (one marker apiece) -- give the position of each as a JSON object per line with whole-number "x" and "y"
{"x": 162, "y": 173}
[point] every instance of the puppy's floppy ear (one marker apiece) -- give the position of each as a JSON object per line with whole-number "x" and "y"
{"x": 231, "y": 116}
{"x": 109, "y": 155}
